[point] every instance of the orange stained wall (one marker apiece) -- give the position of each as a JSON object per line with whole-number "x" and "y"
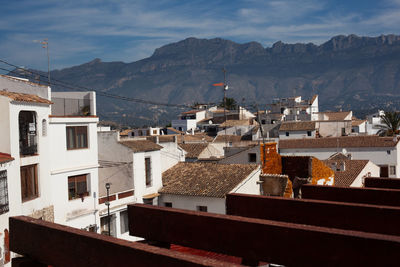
{"x": 273, "y": 162}
{"x": 321, "y": 172}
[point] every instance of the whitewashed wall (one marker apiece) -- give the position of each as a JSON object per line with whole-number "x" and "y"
{"x": 214, "y": 205}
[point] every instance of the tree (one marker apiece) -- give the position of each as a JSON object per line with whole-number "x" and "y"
{"x": 230, "y": 104}
{"x": 391, "y": 124}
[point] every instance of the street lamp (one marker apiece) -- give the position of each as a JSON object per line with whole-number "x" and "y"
{"x": 108, "y": 185}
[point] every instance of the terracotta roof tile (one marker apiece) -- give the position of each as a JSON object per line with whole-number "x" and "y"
{"x": 297, "y": 126}
{"x": 204, "y": 179}
{"x": 228, "y": 138}
{"x": 125, "y": 132}
{"x": 336, "y": 116}
{"x": 5, "y": 158}
{"x": 231, "y": 123}
{"x": 357, "y": 122}
{"x": 341, "y": 142}
{"x": 195, "y": 138}
{"x": 25, "y": 97}
{"x": 141, "y": 145}
{"x": 193, "y": 149}
{"x": 352, "y": 168}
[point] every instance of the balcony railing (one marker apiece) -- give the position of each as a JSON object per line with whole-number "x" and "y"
{"x": 28, "y": 150}
{"x": 71, "y": 107}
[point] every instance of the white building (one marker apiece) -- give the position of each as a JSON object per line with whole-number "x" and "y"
{"x": 351, "y": 172}
{"x": 294, "y": 109}
{"x": 52, "y": 155}
{"x": 382, "y": 151}
{"x": 171, "y": 153}
{"x": 133, "y": 170}
{"x": 297, "y": 129}
{"x": 188, "y": 120}
{"x": 203, "y": 186}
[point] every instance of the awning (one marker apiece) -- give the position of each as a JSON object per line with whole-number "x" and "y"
{"x": 149, "y": 196}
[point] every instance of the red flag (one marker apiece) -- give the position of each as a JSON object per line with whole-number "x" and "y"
{"x": 218, "y": 84}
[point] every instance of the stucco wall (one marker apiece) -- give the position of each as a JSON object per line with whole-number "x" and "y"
{"x": 214, "y": 205}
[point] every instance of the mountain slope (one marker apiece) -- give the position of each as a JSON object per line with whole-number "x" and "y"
{"x": 346, "y": 71}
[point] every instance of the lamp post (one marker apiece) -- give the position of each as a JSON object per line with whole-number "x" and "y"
{"x": 108, "y": 208}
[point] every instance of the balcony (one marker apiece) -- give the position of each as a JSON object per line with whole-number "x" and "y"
{"x": 27, "y": 133}
{"x": 77, "y": 104}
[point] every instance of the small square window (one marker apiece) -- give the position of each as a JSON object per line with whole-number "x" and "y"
{"x": 287, "y": 133}
{"x": 202, "y": 208}
{"x": 77, "y": 137}
{"x": 308, "y": 133}
{"x": 168, "y": 204}
{"x": 388, "y": 152}
{"x": 252, "y": 157}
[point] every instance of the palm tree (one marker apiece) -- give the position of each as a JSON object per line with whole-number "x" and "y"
{"x": 391, "y": 124}
{"x": 231, "y": 103}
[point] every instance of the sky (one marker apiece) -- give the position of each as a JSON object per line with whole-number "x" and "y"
{"x": 129, "y": 30}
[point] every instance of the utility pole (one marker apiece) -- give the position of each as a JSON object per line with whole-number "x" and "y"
{"x": 226, "y": 119}
{"x": 108, "y": 185}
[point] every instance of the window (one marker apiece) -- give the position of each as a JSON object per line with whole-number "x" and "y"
{"x": 392, "y": 170}
{"x": 77, "y": 137}
{"x": 262, "y": 121}
{"x": 168, "y": 204}
{"x": 104, "y": 225}
{"x": 147, "y": 163}
{"x": 3, "y": 192}
{"x": 287, "y": 133}
{"x": 148, "y": 201}
{"x": 77, "y": 186}
{"x": 388, "y": 152}
{"x": 123, "y": 217}
{"x": 44, "y": 127}
{"x": 27, "y": 133}
{"x": 343, "y": 131}
{"x": 29, "y": 182}
{"x": 252, "y": 157}
{"x": 308, "y": 133}
{"x": 140, "y": 133}
{"x": 201, "y": 208}
{"x": 154, "y": 131}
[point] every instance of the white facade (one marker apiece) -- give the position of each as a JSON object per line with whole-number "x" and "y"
{"x": 78, "y": 212}
{"x": 37, "y": 178}
{"x": 212, "y": 204}
{"x": 188, "y": 120}
{"x": 125, "y": 171}
{"x": 370, "y": 170}
{"x": 296, "y": 134}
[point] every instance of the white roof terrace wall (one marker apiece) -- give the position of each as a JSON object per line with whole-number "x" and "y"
{"x": 18, "y": 85}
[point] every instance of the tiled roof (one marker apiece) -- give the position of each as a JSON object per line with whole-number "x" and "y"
{"x": 25, "y": 97}
{"x": 297, "y": 126}
{"x": 231, "y": 123}
{"x": 5, "y": 158}
{"x": 336, "y": 116}
{"x": 340, "y": 142}
{"x": 352, "y": 168}
{"x": 162, "y": 138}
{"x": 194, "y": 138}
{"x": 357, "y": 122}
{"x": 193, "y": 149}
{"x": 175, "y": 130}
{"x": 222, "y": 138}
{"x": 125, "y": 132}
{"x": 141, "y": 145}
{"x": 204, "y": 179}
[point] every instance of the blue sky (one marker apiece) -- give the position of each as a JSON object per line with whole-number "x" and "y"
{"x": 128, "y": 30}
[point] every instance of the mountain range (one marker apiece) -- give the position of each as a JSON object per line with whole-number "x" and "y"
{"x": 347, "y": 72}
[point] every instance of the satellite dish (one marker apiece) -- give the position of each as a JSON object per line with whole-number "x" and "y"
{"x": 344, "y": 151}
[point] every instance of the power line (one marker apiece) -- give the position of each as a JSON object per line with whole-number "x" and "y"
{"x": 81, "y": 88}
